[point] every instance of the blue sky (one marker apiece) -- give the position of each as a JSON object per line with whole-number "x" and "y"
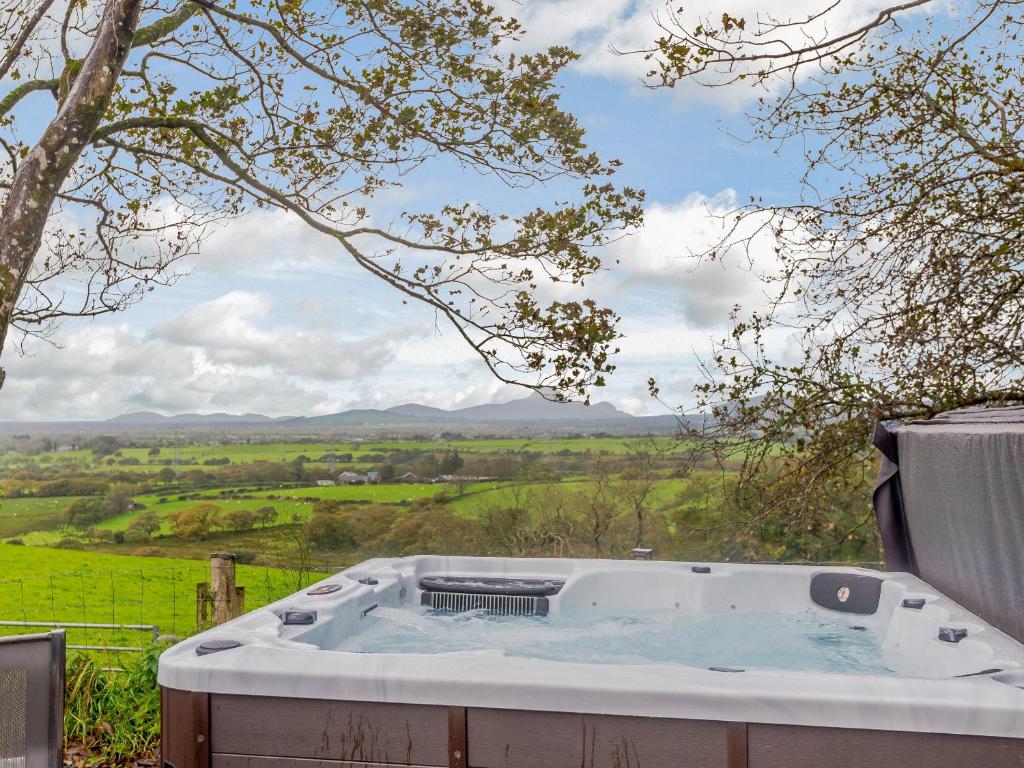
{"x": 273, "y": 319}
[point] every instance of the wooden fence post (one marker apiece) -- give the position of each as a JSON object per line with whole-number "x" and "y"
{"x": 222, "y": 586}
{"x": 239, "y": 602}
{"x": 202, "y": 601}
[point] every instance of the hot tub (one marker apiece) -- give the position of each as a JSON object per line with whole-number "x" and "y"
{"x": 499, "y": 663}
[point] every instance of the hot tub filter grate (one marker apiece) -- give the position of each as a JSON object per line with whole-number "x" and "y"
{"x": 499, "y": 605}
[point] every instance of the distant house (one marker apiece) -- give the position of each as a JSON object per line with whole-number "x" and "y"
{"x": 350, "y": 478}
{"x": 325, "y": 483}
{"x": 373, "y": 476}
{"x": 408, "y": 477}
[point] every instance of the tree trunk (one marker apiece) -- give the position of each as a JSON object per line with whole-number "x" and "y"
{"x": 38, "y": 179}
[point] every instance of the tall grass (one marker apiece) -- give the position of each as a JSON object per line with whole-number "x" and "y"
{"x": 113, "y": 716}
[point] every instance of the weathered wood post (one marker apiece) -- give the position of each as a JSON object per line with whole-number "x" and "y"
{"x": 202, "y": 605}
{"x": 222, "y": 586}
{"x": 239, "y": 602}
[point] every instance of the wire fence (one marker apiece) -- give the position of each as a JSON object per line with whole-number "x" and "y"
{"x": 108, "y": 613}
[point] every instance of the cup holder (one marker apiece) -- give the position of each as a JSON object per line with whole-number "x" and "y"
{"x": 1014, "y": 677}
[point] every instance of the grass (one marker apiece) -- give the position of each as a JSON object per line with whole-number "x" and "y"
{"x": 285, "y": 510}
{"x": 115, "y": 716}
{"x": 90, "y": 587}
{"x": 18, "y": 516}
{"x": 280, "y": 452}
{"x": 579, "y": 445}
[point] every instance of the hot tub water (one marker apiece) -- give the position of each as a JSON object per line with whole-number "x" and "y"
{"x": 741, "y": 640}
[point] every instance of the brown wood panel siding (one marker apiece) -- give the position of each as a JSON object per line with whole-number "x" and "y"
{"x": 185, "y": 728}
{"x": 790, "y": 746}
{"x": 736, "y": 745}
{"x": 262, "y": 761}
{"x": 457, "y": 737}
{"x": 404, "y": 734}
{"x": 516, "y": 739}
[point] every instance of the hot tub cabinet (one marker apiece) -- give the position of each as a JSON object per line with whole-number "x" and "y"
{"x": 268, "y": 690}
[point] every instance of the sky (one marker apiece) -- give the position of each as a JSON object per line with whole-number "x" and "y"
{"x": 273, "y": 319}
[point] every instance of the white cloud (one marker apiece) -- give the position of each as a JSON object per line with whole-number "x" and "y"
{"x": 216, "y": 355}
{"x": 228, "y": 332}
{"x": 664, "y": 256}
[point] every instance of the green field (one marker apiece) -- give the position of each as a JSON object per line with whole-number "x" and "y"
{"x": 40, "y": 584}
{"x": 192, "y": 456}
{"x": 19, "y": 516}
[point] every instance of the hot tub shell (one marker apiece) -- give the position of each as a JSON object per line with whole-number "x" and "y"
{"x": 284, "y": 700}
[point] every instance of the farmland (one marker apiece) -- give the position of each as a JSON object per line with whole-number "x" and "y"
{"x": 166, "y": 502}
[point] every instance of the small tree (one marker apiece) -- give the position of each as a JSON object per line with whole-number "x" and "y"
{"x": 265, "y": 516}
{"x": 238, "y": 519}
{"x": 83, "y": 512}
{"x": 119, "y": 499}
{"x": 636, "y": 484}
{"x": 194, "y": 524}
{"x": 143, "y": 527}
{"x": 599, "y": 505}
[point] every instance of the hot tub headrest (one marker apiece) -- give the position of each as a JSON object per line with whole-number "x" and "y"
{"x": 846, "y": 592}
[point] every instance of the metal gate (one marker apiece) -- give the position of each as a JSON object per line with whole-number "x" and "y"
{"x": 32, "y": 700}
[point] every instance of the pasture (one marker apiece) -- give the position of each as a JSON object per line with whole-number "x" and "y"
{"x": 42, "y": 584}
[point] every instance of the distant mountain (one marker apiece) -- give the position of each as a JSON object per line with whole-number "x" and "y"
{"x": 536, "y": 408}
{"x": 151, "y": 419}
{"x": 533, "y": 411}
{"x": 360, "y": 417}
{"x": 418, "y": 411}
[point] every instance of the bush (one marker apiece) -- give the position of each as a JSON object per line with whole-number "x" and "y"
{"x": 82, "y": 512}
{"x": 194, "y": 523}
{"x": 237, "y": 520}
{"x": 119, "y": 537}
{"x": 142, "y": 527}
{"x": 266, "y": 516}
{"x": 73, "y": 486}
{"x": 327, "y": 530}
{"x": 148, "y": 552}
{"x": 245, "y": 558}
{"x": 16, "y": 542}
{"x": 69, "y": 542}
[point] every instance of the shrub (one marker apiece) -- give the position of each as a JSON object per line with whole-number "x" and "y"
{"x": 16, "y": 542}
{"x": 237, "y": 520}
{"x": 327, "y": 530}
{"x": 143, "y": 527}
{"x": 69, "y": 542}
{"x": 72, "y": 486}
{"x": 266, "y": 516}
{"x": 245, "y": 558}
{"x": 82, "y": 512}
{"x": 148, "y": 552}
{"x": 194, "y": 523}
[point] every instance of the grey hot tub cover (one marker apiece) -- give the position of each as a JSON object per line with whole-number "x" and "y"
{"x": 950, "y": 506}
